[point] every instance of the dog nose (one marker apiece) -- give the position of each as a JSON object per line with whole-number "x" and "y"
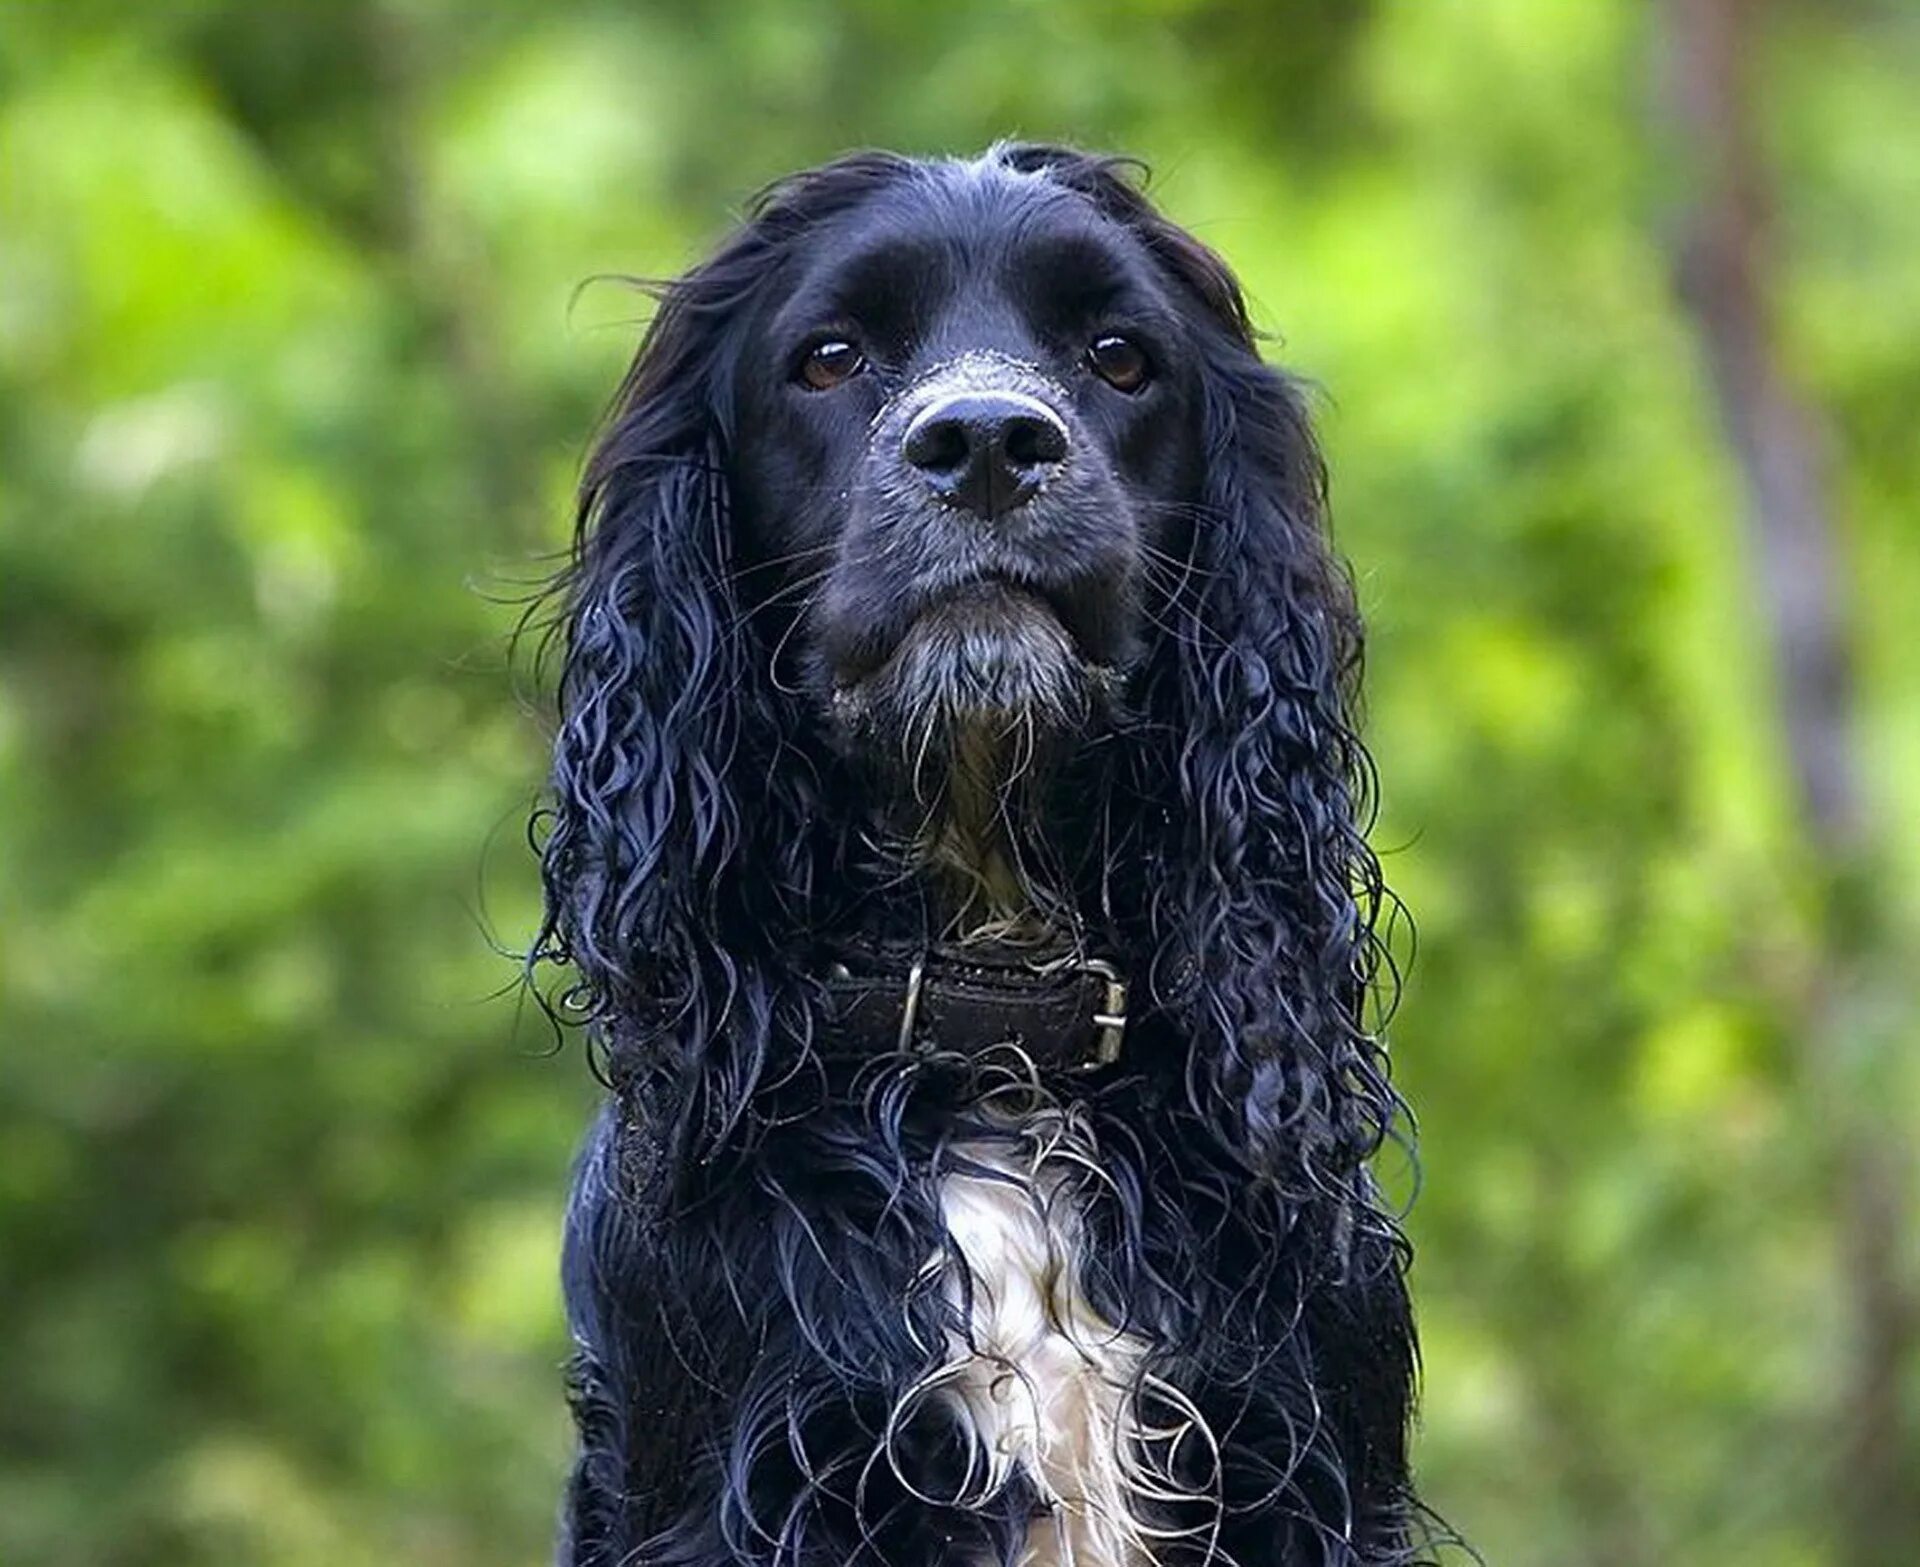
{"x": 986, "y": 452}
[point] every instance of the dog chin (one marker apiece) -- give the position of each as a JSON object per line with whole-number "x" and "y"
{"x": 988, "y": 665}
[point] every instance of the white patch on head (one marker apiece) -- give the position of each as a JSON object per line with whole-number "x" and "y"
{"x": 1045, "y": 1385}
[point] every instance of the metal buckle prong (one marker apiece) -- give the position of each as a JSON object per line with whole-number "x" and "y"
{"x": 910, "y": 1004}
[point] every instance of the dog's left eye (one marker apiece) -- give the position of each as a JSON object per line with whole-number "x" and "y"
{"x": 828, "y": 364}
{"x": 1120, "y": 362}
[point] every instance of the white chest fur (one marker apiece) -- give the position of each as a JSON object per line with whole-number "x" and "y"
{"x": 1043, "y": 1381}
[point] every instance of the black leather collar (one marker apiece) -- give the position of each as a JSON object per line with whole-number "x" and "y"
{"x": 1061, "y": 1010}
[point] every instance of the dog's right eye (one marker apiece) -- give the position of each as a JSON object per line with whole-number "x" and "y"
{"x": 830, "y": 363}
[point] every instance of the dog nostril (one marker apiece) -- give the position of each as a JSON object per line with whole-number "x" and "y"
{"x": 938, "y": 445}
{"x": 1030, "y": 442}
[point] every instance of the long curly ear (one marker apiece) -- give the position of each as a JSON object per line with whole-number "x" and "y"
{"x": 657, "y": 868}
{"x": 1269, "y": 909}
{"x": 681, "y": 841}
{"x": 1266, "y": 895}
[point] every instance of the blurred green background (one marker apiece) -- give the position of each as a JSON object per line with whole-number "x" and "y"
{"x": 293, "y": 385}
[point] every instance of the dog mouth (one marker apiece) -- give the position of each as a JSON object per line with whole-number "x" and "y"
{"x": 988, "y": 656}
{"x": 986, "y": 619}
{"x": 996, "y": 607}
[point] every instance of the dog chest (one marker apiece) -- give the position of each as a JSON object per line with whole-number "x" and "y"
{"x": 1045, "y": 1385}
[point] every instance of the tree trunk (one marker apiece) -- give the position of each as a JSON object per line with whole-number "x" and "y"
{"x": 1723, "y": 282}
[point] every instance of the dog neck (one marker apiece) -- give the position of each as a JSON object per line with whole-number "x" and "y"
{"x": 981, "y": 842}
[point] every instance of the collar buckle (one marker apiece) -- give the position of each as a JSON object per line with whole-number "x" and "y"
{"x": 1110, "y": 1018}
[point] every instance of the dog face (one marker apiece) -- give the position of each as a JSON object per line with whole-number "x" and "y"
{"x": 967, "y": 424}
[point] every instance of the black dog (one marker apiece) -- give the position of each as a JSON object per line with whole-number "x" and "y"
{"x": 958, "y": 840}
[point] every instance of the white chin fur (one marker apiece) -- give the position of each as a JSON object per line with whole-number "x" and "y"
{"x": 992, "y": 655}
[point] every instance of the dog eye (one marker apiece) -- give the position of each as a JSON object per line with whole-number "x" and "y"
{"x": 830, "y": 363}
{"x": 1120, "y": 362}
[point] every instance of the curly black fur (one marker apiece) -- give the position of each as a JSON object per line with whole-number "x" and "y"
{"x": 747, "y": 1240}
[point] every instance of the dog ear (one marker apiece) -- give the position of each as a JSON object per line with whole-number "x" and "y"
{"x": 678, "y": 855}
{"x": 1271, "y": 892}
{"x": 670, "y": 828}
{"x": 1267, "y": 896}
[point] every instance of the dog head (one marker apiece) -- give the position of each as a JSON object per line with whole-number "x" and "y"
{"x": 967, "y": 418}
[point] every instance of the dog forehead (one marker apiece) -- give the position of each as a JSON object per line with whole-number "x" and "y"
{"x": 948, "y": 228}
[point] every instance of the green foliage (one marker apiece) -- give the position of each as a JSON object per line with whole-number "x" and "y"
{"x": 293, "y": 384}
